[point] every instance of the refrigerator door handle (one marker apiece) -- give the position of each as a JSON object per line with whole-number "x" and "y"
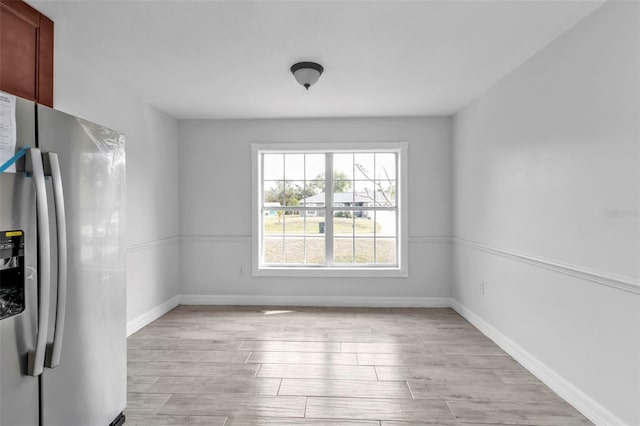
{"x": 52, "y": 167}
{"x": 36, "y": 358}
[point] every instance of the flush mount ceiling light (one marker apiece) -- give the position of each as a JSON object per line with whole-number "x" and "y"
{"x": 307, "y": 73}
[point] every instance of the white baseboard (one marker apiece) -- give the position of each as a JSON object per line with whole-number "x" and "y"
{"x": 566, "y": 390}
{"x": 152, "y": 315}
{"x": 350, "y": 301}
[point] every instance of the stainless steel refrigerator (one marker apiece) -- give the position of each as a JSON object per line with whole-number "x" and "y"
{"x": 62, "y": 271}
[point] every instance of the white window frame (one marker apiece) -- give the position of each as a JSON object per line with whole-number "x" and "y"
{"x": 399, "y": 270}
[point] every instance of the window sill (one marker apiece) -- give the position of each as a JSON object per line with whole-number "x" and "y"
{"x": 329, "y": 272}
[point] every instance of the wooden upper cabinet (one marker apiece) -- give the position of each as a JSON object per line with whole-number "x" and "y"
{"x": 26, "y": 52}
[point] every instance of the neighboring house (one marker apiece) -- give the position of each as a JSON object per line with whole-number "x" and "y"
{"x": 340, "y": 199}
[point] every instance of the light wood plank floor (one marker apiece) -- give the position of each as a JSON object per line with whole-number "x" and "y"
{"x": 237, "y": 366}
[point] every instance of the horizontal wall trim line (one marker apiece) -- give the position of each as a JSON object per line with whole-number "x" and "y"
{"x": 567, "y": 390}
{"x": 345, "y": 301}
{"x": 151, "y": 315}
{"x": 152, "y": 244}
{"x": 247, "y": 238}
{"x": 216, "y": 238}
{"x": 620, "y": 283}
{"x": 430, "y": 240}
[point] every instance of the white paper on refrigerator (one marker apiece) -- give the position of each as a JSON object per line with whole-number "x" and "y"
{"x": 7, "y": 129}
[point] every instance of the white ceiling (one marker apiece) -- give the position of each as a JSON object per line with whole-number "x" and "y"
{"x": 231, "y": 59}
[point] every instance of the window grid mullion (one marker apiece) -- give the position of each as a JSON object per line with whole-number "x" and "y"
{"x": 375, "y": 237}
{"x": 353, "y": 236}
{"x": 353, "y": 202}
{"x": 284, "y": 203}
{"x": 304, "y": 221}
{"x": 328, "y": 204}
{"x": 375, "y": 213}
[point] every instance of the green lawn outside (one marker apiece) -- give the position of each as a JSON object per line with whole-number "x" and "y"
{"x": 295, "y": 246}
{"x": 310, "y": 251}
{"x": 294, "y": 224}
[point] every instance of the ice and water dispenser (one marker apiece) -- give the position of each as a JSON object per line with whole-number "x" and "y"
{"x": 12, "y": 276}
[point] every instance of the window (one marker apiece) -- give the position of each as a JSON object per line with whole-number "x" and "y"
{"x": 329, "y": 210}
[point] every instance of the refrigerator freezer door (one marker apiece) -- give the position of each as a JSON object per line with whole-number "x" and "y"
{"x": 19, "y": 391}
{"x": 88, "y": 387}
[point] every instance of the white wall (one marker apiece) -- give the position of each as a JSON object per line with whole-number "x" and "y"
{"x": 215, "y": 221}
{"x": 546, "y": 166}
{"x": 152, "y": 175}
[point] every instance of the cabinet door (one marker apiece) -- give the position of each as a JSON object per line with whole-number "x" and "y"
{"x": 26, "y": 52}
